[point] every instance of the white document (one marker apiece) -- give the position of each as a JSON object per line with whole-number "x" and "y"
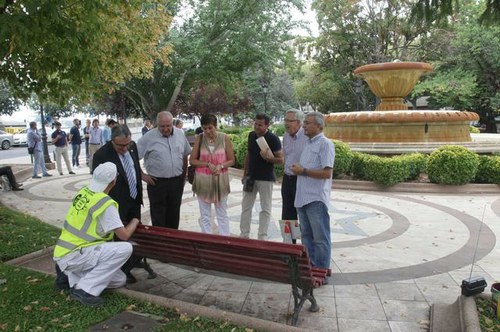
{"x": 261, "y": 141}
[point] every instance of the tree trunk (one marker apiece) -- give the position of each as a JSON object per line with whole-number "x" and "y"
{"x": 176, "y": 92}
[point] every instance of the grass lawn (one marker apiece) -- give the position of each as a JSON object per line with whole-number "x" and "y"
{"x": 28, "y": 301}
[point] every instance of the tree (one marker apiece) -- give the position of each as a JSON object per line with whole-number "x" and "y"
{"x": 8, "y": 104}
{"x": 437, "y": 10}
{"x": 61, "y": 50}
{"x": 215, "y": 44}
{"x": 355, "y": 33}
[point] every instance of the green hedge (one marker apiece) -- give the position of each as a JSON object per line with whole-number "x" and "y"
{"x": 452, "y": 164}
{"x": 343, "y": 158}
{"x": 488, "y": 170}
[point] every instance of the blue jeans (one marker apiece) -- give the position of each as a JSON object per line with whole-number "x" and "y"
{"x": 75, "y": 158}
{"x": 315, "y": 227}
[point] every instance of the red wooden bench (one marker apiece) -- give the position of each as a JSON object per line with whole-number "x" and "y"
{"x": 274, "y": 261}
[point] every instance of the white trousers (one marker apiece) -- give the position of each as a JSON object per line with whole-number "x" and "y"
{"x": 97, "y": 267}
{"x": 62, "y": 151}
{"x": 220, "y": 212}
{"x": 265, "y": 190}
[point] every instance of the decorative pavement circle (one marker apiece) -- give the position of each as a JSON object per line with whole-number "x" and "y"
{"x": 377, "y": 237}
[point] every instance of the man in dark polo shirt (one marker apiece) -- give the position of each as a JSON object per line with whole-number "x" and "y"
{"x": 60, "y": 140}
{"x": 259, "y": 166}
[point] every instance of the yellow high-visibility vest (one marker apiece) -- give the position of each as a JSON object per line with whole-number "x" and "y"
{"x": 79, "y": 229}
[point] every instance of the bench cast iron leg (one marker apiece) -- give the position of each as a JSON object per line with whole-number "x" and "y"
{"x": 298, "y": 302}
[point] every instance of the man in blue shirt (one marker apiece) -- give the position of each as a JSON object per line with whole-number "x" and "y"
{"x": 314, "y": 182}
{"x": 76, "y": 140}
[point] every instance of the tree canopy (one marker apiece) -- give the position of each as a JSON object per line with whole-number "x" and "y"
{"x": 60, "y": 50}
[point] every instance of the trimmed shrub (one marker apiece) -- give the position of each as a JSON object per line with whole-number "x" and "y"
{"x": 343, "y": 158}
{"x": 488, "y": 170}
{"x": 388, "y": 171}
{"x": 240, "y": 144}
{"x": 416, "y": 163}
{"x": 474, "y": 130}
{"x": 359, "y": 168}
{"x": 452, "y": 164}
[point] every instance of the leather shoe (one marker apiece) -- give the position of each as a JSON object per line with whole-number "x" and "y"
{"x": 36, "y": 177}
{"x": 72, "y": 172}
{"x": 46, "y": 175}
{"x": 17, "y": 189}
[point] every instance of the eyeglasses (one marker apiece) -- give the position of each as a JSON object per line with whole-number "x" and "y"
{"x": 122, "y": 145}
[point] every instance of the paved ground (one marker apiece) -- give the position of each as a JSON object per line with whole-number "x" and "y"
{"x": 394, "y": 254}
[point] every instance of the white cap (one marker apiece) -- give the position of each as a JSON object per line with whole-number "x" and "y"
{"x": 103, "y": 175}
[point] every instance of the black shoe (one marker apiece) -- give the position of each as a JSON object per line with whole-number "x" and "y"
{"x": 36, "y": 177}
{"x": 72, "y": 172}
{"x": 130, "y": 278}
{"x": 62, "y": 282}
{"x": 17, "y": 189}
{"x": 47, "y": 175}
{"x": 85, "y": 298}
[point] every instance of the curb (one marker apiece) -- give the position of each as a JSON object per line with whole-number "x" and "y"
{"x": 194, "y": 310}
{"x": 460, "y": 316}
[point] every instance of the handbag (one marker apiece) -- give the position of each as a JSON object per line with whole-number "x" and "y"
{"x": 191, "y": 169}
{"x": 248, "y": 183}
{"x": 31, "y": 150}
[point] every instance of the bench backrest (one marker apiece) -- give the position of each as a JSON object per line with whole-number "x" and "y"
{"x": 266, "y": 260}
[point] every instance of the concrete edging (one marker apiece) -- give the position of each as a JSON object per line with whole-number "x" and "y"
{"x": 459, "y": 316}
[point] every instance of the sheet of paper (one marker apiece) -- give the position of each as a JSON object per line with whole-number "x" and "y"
{"x": 261, "y": 141}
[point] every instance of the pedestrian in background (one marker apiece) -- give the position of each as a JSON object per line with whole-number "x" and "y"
{"x": 147, "y": 127}
{"x": 34, "y": 140}
{"x": 60, "y": 141}
{"x": 86, "y": 136}
{"x": 95, "y": 140}
{"x": 76, "y": 142}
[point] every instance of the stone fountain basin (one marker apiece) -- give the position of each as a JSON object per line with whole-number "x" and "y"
{"x": 400, "y": 126}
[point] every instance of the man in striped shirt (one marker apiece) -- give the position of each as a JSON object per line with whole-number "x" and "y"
{"x": 314, "y": 182}
{"x": 293, "y": 143}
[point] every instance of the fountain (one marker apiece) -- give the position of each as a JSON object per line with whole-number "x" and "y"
{"x": 392, "y": 123}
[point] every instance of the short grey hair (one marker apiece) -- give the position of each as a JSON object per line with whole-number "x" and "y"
{"x": 165, "y": 114}
{"x": 318, "y": 117}
{"x": 299, "y": 115}
{"x": 120, "y": 131}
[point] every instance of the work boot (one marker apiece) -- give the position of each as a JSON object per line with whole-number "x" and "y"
{"x": 85, "y": 298}
{"x": 62, "y": 282}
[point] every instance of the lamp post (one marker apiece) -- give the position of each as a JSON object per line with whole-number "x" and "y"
{"x": 46, "y": 156}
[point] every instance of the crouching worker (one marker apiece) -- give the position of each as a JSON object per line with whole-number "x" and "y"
{"x": 84, "y": 251}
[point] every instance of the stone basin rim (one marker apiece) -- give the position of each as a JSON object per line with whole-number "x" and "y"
{"x": 386, "y": 66}
{"x": 402, "y": 116}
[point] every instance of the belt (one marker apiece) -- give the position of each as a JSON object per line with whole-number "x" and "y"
{"x": 290, "y": 176}
{"x": 95, "y": 143}
{"x": 172, "y": 178}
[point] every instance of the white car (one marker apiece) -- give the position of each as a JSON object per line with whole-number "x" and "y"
{"x": 21, "y": 138}
{"x": 5, "y": 140}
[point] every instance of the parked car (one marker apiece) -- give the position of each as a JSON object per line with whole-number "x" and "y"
{"x": 21, "y": 138}
{"x": 6, "y": 140}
